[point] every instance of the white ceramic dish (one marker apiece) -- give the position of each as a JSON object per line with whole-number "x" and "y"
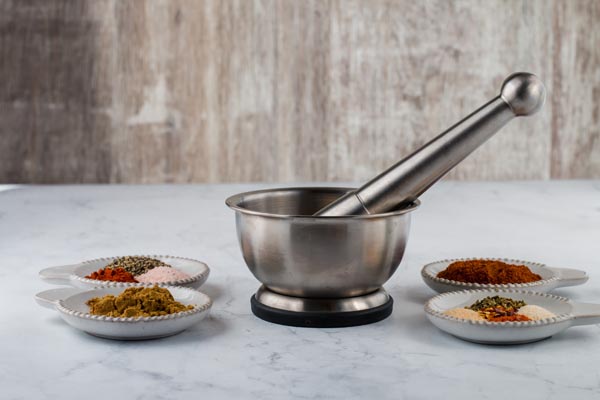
{"x": 71, "y": 305}
{"x": 552, "y": 278}
{"x": 75, "y": 275}
{"x": 567, "y": 314}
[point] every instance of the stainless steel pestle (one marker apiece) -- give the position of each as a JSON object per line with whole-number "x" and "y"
{"x": 521, "y": 94}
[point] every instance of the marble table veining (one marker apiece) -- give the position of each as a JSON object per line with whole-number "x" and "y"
{"x": 233, "y": 355}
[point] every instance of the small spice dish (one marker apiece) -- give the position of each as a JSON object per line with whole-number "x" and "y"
{"x": 75, "y": 275}
{"x": 567, "y": 314}
{"x": 71, "y": 305}
{"x": 552, "y": 277}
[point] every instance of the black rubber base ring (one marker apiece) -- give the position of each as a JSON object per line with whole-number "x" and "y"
{"x": 321, "y": 320}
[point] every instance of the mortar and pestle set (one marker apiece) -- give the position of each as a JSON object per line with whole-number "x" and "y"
{"x": 322, "y": 254}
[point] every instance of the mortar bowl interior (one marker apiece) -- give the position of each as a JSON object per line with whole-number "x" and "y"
{"x": 294, "y": 253}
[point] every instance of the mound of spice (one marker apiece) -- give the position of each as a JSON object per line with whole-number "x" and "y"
{"x": 535, "y": 313}
{"x": 137, "y": 265}
{"x": 137, "y": 302}
{"x": 488, "y": 272}
{"x": 491, "y": 302}
{"x": 464, "y": 313}
{"x": 162, "y": 274}
{"x": 112, "y": 274}
{"x": 500, "y": 309}
{"x": 509, "y": 318}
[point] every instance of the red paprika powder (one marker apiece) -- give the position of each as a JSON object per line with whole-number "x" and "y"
{"x": 110, "y": 274}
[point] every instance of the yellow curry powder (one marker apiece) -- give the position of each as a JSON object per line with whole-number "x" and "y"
{"x": 137, "y": 302}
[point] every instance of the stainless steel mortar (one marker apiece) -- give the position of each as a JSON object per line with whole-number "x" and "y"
{"x": 321, "y": 252}
{"x": 296, "y": 254}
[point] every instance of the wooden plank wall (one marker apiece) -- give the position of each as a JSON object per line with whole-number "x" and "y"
{"x": 285, "y": 90}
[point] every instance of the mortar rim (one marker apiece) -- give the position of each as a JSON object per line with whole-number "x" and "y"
{"x": 234, "y": 201}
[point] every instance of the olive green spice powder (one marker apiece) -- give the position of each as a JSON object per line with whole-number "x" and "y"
{"x": 137, "y": 302}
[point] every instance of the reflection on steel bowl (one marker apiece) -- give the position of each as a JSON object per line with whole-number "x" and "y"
{"x": 296, "y": 254}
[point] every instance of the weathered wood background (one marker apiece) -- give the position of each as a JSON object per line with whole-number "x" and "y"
{"x": 266, "y": 90}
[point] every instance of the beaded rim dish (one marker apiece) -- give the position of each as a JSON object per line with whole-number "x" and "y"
{"x": 201, "y": 276}
{"x": 60, "y": 306}
{"x": 426, "y": 273}
{"x": 513, "y": 324}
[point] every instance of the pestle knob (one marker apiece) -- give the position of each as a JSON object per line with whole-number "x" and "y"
{"x": 522, "y": 94}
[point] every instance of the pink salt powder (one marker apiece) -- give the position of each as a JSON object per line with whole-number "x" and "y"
{"x": 161, "y": 274}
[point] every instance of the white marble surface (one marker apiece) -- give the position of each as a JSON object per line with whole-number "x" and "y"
{"x": 235, "y": 355}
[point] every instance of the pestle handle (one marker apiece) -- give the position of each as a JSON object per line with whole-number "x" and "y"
{"x": 522, "y": 94}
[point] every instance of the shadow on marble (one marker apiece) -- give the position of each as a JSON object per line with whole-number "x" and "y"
{"x": 574, "y": 294}
{"x": 412, "y": 294}
{"x": 570, "y": 336}
{"x": 55, "y": 320}
{"x": 204, "y": 330}
{"x": 576, "y": 335}
{"x": 211, "y": 290}
{"x": 414, "y": 325}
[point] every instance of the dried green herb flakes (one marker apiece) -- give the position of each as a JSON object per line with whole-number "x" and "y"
{"x": 497, "y": 301}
